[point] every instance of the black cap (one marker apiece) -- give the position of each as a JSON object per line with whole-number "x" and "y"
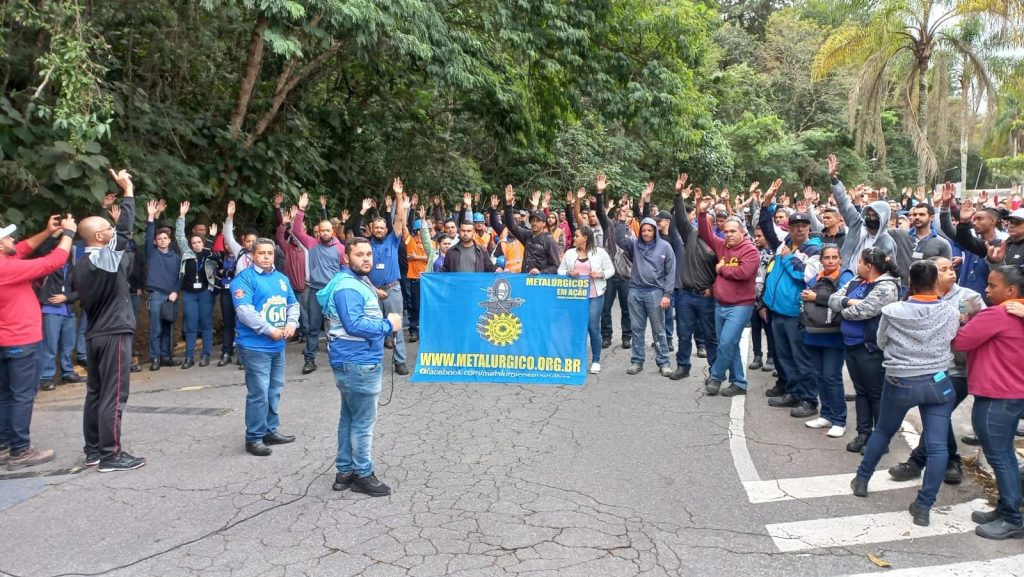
{"x": 799, "y": 217}
{"x": 664, "y": 215}
{"x": 721, "y": 214}
{"x": 538, "y": 214}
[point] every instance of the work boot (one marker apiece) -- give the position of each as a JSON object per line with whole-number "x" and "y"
{"x": 702, "y": 352}
{"x": 732, "y": 390}
{"x": 999, "y": 530}
{"x": 859, "y": 486}
{"x": 225, "y": 359}
{"x": 606, "y": 342}
{"x": 155, "y": 365}
{"x": 905, "y": 471}
{"x": 954, "y": 473}
{"x": 680, "y": 373}
{"x": 634, "y": 369}
{"x": 204, "y": 360}
{"x": 389, "y": 342}
{"x": 188, "y": 364}
{"x": 29, "y": 457}
{"x": 756, "y": 364}
{"x": 627, "y": 342}
{"x": 712, "y": 386}
{"x": 804, "y": 409}
{"x": 169, "y": 362}
{"x": 858, "y": 443}
{"x": 47, "y": 385}
{"x": 920, "y": 514}
{"x": 308, "y": 367}
{"x": 786, "y": 401}
{"x": 401, "y": 369}
{"x": 774, "y": 392}
{"x": 769, "y": 365}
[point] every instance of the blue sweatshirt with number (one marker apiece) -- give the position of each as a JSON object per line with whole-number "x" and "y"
{"x": 264, "y": 301}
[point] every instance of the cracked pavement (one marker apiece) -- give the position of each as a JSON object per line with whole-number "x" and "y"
{"x": 627, "y": 476}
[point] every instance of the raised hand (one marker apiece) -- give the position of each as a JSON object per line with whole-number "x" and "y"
{"x": 547, "y": 199}
{"x": 570, "y": 198}
{"x": 115, "y": 212}
{"x": 292, "y": 211}
{"x": 947, "y": 194}
{"x": 161, "y": 206}
{"x": 151, "y": 208}
{"x": 303, "y": 201}
{"x": 467, "y": 200}
{"x": 406, "y": 204}
{"x": 124, "y": 181}
{"x": 494, "y": 201}
{"x": 231, "y": 209}
{"x": 397, "y": 186}
{"x": 183, "y": 210}
{"x": 286, "y": 217}
{"x": 108, "y": 200}
{"x": 415, "y": 200}
{"x": 323, "y": 202}
{"x": 535, "y": 199}
{"x": 510, "y": 195}
{"x": 388, "y": 203}
{"x": 996, "y": 253}
{"x": 68, "y": 223}
{"x": 367, "y": 203}
{"x": 600, "y": 183}
{"x": 833, "y": 166}
{"x": 213, "y": 229}
{"x": 345, "y": 214}
{"x": 681, "y": 181}
{"x": 422, "y": 214}
{"x": 278, "y": 199}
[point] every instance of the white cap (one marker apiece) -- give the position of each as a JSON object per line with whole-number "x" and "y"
{"x": 7, "y": 231}
{"x": 1017, "y": 214}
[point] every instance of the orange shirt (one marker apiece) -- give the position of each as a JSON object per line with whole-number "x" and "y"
{"x": 414, "y": 248}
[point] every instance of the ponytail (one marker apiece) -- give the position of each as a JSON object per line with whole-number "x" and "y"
{"x": 877, "y": 259}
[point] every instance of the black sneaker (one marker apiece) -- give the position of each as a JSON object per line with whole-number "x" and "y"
{"x": 732, "y": 390}
{"x": 858, "y": 443}
{"x": 804, "y": 409}
{"x": 122, "y": 462}
{"x": 47, "y": 385}
{"x": 920, "y": 514}
{"x": 225, "y": 359}
{"x": 954, "y": 473}
{"x": 92, "y": 459}
{"x": 774, "y": 392}
{"x": 786, "y": 401}
{"x": 370, "y": 485}
{"x": 401, "y": 369}
{"x": 680, "y": 373}
{"x": 606, "y": 342}
{"x": 859, "y": 486}
{"x": 72, "y": 379}
{"x": 627, "y": 342}
{"x": 343, "y": 481}
{"x": 905, "y": 471}
{"x": 308, "y": 367}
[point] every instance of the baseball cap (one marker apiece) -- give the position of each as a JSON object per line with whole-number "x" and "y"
{"x": 664, "y": 215}
{"x": 538, "y": 214}
{"x": 417, "y": 224}
{"x": 523, "y": 213}
{"x": 7, "y": 231}
{"x": 1015, "y": 215}
{"x": 478, "y": 217}
{"x": 799, "y": 217}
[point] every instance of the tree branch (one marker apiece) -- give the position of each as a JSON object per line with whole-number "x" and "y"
{"x": 249, "y": 77}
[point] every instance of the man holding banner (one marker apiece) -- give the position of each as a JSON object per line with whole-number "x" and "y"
{"x": 355, "y": 348}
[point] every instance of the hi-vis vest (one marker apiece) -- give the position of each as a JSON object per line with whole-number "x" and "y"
{"x": 483, "y": 240}
{"x": 513, "y": 251}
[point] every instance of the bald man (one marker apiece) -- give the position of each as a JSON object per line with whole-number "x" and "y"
{"x": 326, "y": 256}
{"x": 102, "y": 278}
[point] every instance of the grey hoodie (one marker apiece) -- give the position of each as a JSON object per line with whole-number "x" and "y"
{"x": 916, "y": 337}
{"x": 654, "y": 263}
{"x": 855, "y": 231}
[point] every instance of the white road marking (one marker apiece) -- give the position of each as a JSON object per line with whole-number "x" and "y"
{"x": 737, "y": 438}
{"x": 774, "y": 490}
{"x": 872, "y": 528}
{"x": 1006, "y": 566}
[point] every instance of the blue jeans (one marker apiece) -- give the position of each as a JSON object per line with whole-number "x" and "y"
{"x": 393, "y": 304}
{"x": 161, "y": 334}
{"x": 616, "y": 287}
{"x": 264, "y": 379}
{"x": 791, "y": 359}
{"x": 314, "y": 322}
{"x": 198, "y": 319}
{"x": 670, "y": 317}
{"x": 594, "y": 327}
{"x": 646, "y": 304}
{"x": 58, "y": 339}
{"x": 828, "y": 364}
{"x": 359, "y": 386}
{"x": 695, "y": 318}
{"x": 227, "y": 315}
{"x": 19, "y": 382}
{"x": 730, "y": 320}
{"x": 918, "y": 455}
{"x": 934, "y": 400}
{"x": 995, "y": 422}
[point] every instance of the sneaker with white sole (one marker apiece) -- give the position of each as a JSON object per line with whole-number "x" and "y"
{"x": 836, "y": 431}
{"x": 819, "y": 423}
{"x": 595, "y": 368}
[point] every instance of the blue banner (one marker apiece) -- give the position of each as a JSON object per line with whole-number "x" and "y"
{"x": 498, "y": 328}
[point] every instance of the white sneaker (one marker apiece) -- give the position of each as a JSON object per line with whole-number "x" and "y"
{"x": 595, "y": 368}
{"x": 836, "y": 431}
{"x": 819, "y": 423}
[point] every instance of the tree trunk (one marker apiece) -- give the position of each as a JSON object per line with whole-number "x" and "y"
{"x": 922, "y": 122}
{"x": 249, "y": 77}
{"x": 965, "y": 129}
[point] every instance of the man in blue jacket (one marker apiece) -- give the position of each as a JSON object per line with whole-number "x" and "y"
{"x": 355, "y": 348}
{"x": 163, "y": 263}
{"x": 651, "y": 286}
{"x": 797, "y": 259}
{"x": 267, "y": 315}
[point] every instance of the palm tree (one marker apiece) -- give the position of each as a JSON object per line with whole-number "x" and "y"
{"x": 894, "y": 46}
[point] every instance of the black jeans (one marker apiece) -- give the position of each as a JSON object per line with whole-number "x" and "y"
{"x": 413, "y": 304}
{"x": 868, "y": 377}
{"x": 756, "y": 326}
{"x": 917, "y": 457}
{"x": 227, "y": 315}
{"x": 616, "y": 287}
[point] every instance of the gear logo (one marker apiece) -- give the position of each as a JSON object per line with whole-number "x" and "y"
{"x": 499, "y": 325}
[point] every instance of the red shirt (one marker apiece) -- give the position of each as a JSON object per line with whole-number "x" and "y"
{"x": 735, "y": 281}
{"x": 19, "y": 307}
{"x": 993, "y": 341}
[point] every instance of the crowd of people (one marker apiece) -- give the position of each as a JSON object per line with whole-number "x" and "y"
{"x": 919, "y": 298}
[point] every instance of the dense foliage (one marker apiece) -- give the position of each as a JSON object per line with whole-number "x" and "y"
{"x": 237, "y": 99}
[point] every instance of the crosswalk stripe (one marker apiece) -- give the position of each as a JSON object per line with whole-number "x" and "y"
{"x": 872, "y": 528}
{"x": 1005, "y": 566}
{"x": 774, "y": 490}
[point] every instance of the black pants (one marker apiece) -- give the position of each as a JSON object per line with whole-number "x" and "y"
{"x": 868, "y": 376}
{"x": 110, "y": 358}
{"x": 919, "y": 455}
{"x": 616, "y": 287}
{"x": 413, "y": 304}
{"x": 757, "y": 325}
{"x": 227, "y": 314}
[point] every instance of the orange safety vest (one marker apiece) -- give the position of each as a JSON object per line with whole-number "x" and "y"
{"x": 513, "y": 251}
{"x": 483, "y": 241}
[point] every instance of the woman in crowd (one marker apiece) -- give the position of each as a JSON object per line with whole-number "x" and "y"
{"x": 198, "y": 274}
{"x": 993, "y": 341}
{"x": 914, "y": 335}
{"x": 587, "y": 260}
{"x": 760, "y": 320}
{"x": 860, "y": 302}
{"x": 824, "y": 342}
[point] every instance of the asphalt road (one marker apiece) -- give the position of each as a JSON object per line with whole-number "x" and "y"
{"x": 623, "y": 476}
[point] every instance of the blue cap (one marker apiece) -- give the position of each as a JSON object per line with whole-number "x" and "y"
{"x": 478, "y": 217}
{"x": 500, "y": 261}
{"x": 417, "y": 224}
